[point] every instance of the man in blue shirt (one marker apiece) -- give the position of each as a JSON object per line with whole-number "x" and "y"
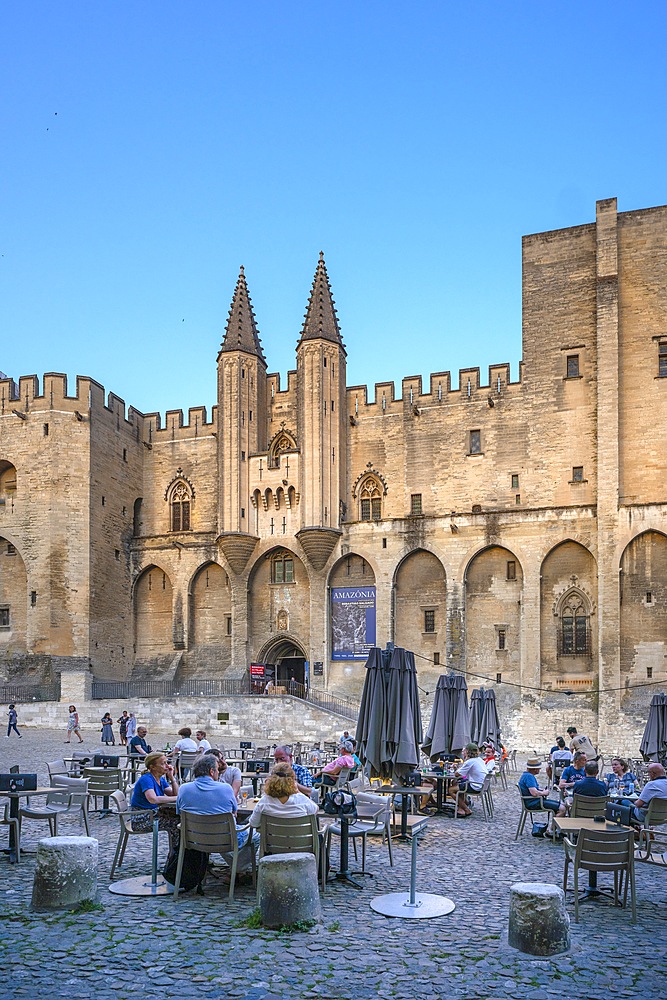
{"x": 590, "y": 785}
{"x": 206, "y": 796}
{"x": 574, "y": 773}
{"x": 535, "y": 797}
{"x": 304, "y": 779}
{"x": 138, "y": 745}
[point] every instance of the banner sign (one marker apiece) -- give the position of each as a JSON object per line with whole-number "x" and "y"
{"x": 352, "y": 622}
{"x": 256, "y": 669}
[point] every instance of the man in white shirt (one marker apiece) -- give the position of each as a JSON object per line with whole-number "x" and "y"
{"x": 471, "y": 774}
{"x": 202, "y": 743}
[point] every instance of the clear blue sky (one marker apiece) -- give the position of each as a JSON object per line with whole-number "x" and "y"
{"x": 150, "y": 148}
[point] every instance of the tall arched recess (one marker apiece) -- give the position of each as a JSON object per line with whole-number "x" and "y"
{"x": 211, "y": 624}
{"x": 494, "y": 586}
{"x": 643, "y": 593}
{"x": 278, "y": 600}
{"x": 13, "y": 603}
{"x": 568, "y": 617}
{"x": 420, "y": 607}
{"x": 153, "y": 620}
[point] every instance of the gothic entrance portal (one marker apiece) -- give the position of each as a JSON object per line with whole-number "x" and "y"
{"x": 288, "y": 660}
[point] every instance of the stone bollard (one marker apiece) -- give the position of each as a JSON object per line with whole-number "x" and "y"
{"x": 66, "y": 872}
{"x": 539, "y": 924}
{"x": 288, "y": 889}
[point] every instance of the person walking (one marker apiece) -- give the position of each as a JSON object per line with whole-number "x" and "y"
{"x": 13, "y": 719}
{"x": 73, "y": 725}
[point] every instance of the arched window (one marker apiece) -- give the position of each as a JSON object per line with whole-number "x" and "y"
{"x": 282, "y": 567}
{"x": 7, "y": 480}
{"x": 179, "y": 501}
{"x": 574, "y": 634}
{"x": 282, "y": 442}
{"x": 370, "y": 500}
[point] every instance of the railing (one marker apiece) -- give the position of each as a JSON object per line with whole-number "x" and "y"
{"x": 193, "y": 688}
{"x": 29, "y": 692}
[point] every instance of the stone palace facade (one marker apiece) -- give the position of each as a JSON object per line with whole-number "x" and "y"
{"x": 515, "y": 530}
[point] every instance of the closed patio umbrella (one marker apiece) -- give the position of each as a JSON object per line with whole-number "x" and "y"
{"x": 407, "y": 714}
{"x": 460, "y": 726}
{"x": 490, "y": 725}
{"x": 389, "y": 730}
{"x": 476, "y": 712}
{"x": 654, "y": 740}
{"x": 371, "y": 727}
{"x": 438, "y": 733}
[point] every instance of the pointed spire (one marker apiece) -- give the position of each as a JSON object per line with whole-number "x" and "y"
{"x": 321, "y": 322}
{"x": 241, "y": 333}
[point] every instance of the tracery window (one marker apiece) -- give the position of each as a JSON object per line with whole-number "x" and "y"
{"x": 180, "y": 501}
{"x": 370, "y": 500}
{"x": 283, "y": 442}
{"x": 574, "y": 636}
{"x": 282, "y": 568}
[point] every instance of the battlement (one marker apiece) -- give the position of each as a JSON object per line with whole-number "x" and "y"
{"x": 440, "y": 389}
{"x": 174, "y": 428}
{"x": 273, "y": 384}
{"x": 87, "y": 403}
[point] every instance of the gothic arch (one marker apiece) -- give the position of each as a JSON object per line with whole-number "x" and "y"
{"x": 180, "y": 495}
{"x": 210, "y": 632}
{"x": 278, "y": 583}
{"x": 420, "y": 604}
{"x": 153, "y": 614}
{"x": 568, "y": 618}
{"x": 281, "y": 442}
{"x": 493, "y": 592}
{"x": 13, "y": 599}
{"x": 369, "y": 490}
{"x": 643, "y": 611}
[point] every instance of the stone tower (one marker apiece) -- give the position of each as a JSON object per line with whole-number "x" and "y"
{"x": 321, "y": 366}
{"x": 241, "y": 424}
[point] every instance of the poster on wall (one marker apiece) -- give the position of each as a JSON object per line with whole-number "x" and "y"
{"x": 352, "y": 622}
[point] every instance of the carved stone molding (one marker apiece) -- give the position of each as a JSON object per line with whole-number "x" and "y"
{"x": 237, "y": 547}
{"x": 318, "y": 544}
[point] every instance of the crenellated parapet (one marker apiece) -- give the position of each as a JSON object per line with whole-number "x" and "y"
{"x": 89, "y": 402}
{"x": 174, "y": 427}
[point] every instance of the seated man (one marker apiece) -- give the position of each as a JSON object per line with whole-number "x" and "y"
{"x": 655, "y": 788}
{"x": 559, "y": 758}
{"x": 535, "y": 797}
{"x": 573, "y": 773}
{"x": 138, "y": 745}
{"x": 186, "y": 742}
{"x": 329, "y": 773}
{"x": 590, "y": 785}
{"x": 206, "y": 796}
{"x": 304, "y": 780}
{"x": 471, "y": 774}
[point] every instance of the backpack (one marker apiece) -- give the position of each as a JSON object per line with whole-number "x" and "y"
{"x": 195, "y": 864}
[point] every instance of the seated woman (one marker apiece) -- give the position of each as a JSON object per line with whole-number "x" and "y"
{"x": 156, "y": 786}
{"x": 621, "y": 779}
{"x": 185, "y": 743}
{"x": 281, "y": 797}
{"x": 329, "y": 773}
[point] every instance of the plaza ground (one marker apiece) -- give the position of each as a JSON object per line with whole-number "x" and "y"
{"x": 200, "y": 948}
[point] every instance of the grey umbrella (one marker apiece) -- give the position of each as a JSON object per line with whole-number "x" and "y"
{"x": 476, "y": 712}
{"x": 654, "y": 740}
{"x": 405, "y": 757}
{"x": 371, "y": 727}
{"x": 437, "y": 740}
{"x": 490, "y": 726}
{"x": 460, "y": 727}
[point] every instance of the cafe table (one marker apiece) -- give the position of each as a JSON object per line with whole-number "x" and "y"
{"x": 405, "y": 791}
{"x": 443, "y": 781}
{"x": 573, "y": 824}
{"x": 14, "y": 798}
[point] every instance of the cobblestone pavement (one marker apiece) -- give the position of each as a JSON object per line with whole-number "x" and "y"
{"x": 199, "y": 947}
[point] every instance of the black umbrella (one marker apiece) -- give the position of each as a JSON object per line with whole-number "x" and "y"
{"x": 406, "y": 713}
{"x": 371, "y": 726}
{"x": 389, "y": 729}
{"x": 654, "y": 740}
{"x": 490, "y": 725}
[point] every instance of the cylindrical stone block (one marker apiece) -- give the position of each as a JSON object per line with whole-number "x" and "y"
{"x": 539, "y": 923}
{"x": 288, "y": 890}
{"x": 66, "y": 872}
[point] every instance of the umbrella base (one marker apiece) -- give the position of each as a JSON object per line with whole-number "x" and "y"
{"x": 424, "y": 906}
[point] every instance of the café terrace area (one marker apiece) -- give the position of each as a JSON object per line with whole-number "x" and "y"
{"x": 203, "y": 946}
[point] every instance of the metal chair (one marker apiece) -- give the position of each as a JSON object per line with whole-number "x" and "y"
{"x": 186, "y": 759}
{"x": 102, "y": 783}
{"x": 125, "y": 815}
{"x": 374, "y": 816}
{"x": 528, "y": 809}
{"x": 69, "y": 795}
{"x": 588, "y": 806}
{"x": 483, "y": 794}
{"x": 6, "y": 819}
{"x": 216, "y": 834}
{"x": 609, "y": 851}
{"x": 649, "y": 837}
{"x": 292, "y": 835}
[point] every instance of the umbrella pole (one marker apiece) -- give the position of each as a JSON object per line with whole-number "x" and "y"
{"x": 416, "y": 905}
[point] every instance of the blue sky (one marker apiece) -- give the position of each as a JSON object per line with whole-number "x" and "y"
{"x": 150, "y": 148}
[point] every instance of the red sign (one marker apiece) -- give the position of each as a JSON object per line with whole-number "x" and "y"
{"x": 256, "y": 669}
